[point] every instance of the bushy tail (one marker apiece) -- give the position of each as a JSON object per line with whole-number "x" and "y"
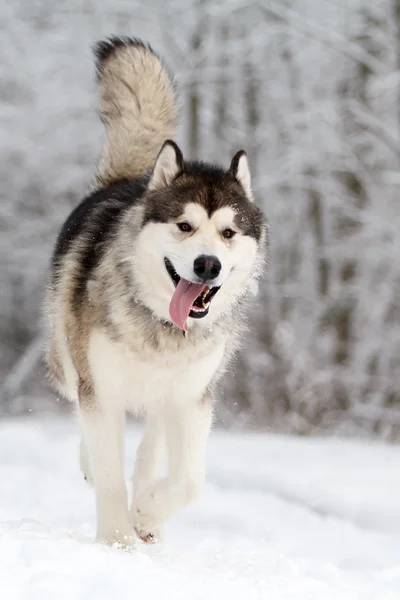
{"x": 138, "y": 107}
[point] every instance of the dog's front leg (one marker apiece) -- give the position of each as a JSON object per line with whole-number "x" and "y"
{"x": 187, "y": 429}
{"x": 103, "y": 430}
{"x": 148, "y": 464}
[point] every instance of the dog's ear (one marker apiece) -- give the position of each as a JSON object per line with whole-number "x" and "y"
{"x": 168, "y": 165}
{"x": 240, "y": 170}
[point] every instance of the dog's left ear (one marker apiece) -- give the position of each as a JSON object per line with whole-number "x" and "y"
{"x": 240, "y": 170}
{"x": 168, "y": 165}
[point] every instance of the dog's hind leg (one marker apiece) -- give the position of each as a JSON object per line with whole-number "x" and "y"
{"x": 187, "y": 428}
{"x": 103, "y": 430}
{"x": 149, "y": 457}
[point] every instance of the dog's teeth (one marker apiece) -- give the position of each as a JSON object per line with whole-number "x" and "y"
{"x": 200, "y": 309}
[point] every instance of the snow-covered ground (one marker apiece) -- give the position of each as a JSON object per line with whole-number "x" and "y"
{"x": 280, "y": 518}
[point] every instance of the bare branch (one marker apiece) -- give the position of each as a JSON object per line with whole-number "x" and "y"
{"x": 330, "y": 38}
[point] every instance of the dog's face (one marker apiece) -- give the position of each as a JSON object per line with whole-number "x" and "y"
{"x": 201, "y": 241}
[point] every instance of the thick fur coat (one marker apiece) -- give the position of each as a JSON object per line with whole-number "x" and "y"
{"x": 147, "y": 296}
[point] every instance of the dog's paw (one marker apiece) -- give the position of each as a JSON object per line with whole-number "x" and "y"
{"x": 87, "y": 476}
{"x": 153, "y": 536}
{"x": 145, "y": 527}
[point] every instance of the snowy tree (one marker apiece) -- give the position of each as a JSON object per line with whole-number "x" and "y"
{"x": 310, "y": 89}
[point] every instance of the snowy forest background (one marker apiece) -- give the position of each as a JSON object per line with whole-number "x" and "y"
{"x": 311, "y": 89}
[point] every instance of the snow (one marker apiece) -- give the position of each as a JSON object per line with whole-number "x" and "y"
{"x": 280, "y": 518}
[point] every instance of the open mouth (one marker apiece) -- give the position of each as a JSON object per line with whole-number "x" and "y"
{"x": 189, "y": 299}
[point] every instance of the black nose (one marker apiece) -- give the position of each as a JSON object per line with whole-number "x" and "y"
{"x": 207, "y": 267}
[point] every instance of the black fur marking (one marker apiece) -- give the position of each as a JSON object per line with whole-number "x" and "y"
{"x": 211, "y": 187}
{"x": 93, "y": 222}
{"x": 106, "y": 48}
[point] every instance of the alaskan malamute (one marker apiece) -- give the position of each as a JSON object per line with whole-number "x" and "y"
{"x": 147, "y": 294}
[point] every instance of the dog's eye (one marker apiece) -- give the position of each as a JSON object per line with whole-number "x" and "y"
{"x": 185, "y": 227}
{"x": 228, "y": 233}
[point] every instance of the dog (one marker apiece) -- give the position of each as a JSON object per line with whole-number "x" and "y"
{"x": 147, "y": 296}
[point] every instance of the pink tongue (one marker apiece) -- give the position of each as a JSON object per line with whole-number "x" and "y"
{"x": 182, "y": 301}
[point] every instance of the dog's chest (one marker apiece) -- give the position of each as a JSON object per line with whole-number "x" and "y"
{"x": 142, "y": 379}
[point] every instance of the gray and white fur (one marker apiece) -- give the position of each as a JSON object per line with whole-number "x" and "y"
{"x": 151, "y": 225}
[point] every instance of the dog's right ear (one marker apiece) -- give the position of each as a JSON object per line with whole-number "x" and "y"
{"x": 168, "y": 165}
